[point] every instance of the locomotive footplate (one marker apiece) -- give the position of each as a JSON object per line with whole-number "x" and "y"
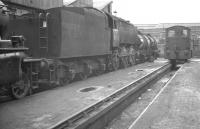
{"x": 45, "y": 109}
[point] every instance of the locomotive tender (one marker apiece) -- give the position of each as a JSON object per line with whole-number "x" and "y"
{"x": 72, "y": 42}
{"x": 178, "y": 44}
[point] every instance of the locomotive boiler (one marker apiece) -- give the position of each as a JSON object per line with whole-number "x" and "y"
{"x": 145, "y": 48}
{"x": 153, "y": 47}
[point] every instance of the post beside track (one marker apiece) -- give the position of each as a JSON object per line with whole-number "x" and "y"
{"x": 99, "y": 114}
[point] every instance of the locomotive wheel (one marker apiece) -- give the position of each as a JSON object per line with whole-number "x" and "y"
{"x": 63, "y": 81}
{"x": 124, "y": 62}
{"x": 101, "y": 68}
{"x": 127, "y": 61}
{"x": 98, "y": 72}
{"x": 82, "y": 76}
{"x": 21, "y": 88}
{"x": 131, "y": 60}
{"x": 115, "y": 63}
{"x": 109, "y": 66}
{"x": 62, "y": 75}
{"x": 143, "y": 58}
{"x": 134, "y": 59}
{"x": 151, "y": 59}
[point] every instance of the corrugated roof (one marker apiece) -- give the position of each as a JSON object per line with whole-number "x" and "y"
{"x": 164, "y": 25}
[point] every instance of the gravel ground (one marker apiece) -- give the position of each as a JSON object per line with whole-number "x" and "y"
{"x": 126, "y": 118}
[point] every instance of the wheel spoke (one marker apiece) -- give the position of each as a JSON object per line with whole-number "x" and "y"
{"x": 21, "y": 88}
{"x": 115, "y": 63}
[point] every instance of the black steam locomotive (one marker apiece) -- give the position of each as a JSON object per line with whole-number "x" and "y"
{"x": 61, "y": 44}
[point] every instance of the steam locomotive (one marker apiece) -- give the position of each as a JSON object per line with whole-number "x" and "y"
{"x": 61, "y": 44}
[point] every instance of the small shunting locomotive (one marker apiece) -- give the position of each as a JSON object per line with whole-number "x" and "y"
{"x": 178, "y": 44}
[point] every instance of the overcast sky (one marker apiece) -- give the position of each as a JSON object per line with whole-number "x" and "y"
{"x": 158, "y": 11}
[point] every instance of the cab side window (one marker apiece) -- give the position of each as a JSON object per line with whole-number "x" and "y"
{"x": 171, "y": 33}
{"x": 185, "y": 33}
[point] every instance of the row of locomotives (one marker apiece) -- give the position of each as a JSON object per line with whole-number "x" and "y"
{"x": 12, "y": 52}
{"x": 65, "y": 44}
{"x": 69, "y": 43}
{"x": 178, "y": 44}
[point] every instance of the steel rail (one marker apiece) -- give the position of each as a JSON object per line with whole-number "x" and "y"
{"x": 89, "y": 114}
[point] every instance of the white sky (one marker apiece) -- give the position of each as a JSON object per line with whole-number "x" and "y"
{"x": 158, "y": 11}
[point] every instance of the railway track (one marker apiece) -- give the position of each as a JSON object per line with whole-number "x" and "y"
{"x": 98, "y": 115}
